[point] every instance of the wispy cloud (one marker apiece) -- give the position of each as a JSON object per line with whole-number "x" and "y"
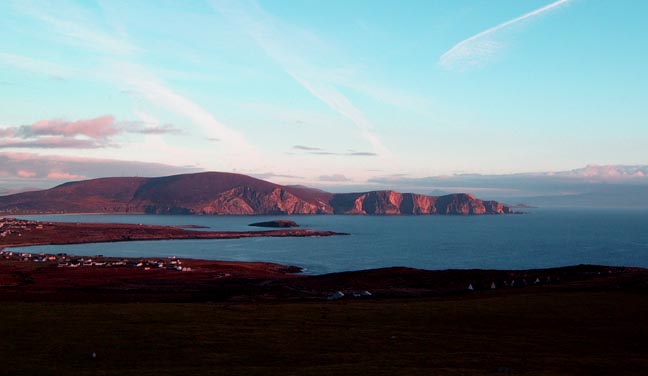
{"x": 282, "y": 44}
{"x": 45, "y": 170}
{"x": 142, "y": 82}
{"x": 62, "y": 175}
{"x": 360, "y": 154}
{"x": 473, "y": 50}
{"x": 51, "y": 143}
{"x": 302, "y": 147}
{"x": 70, "y": 22}
{"x": 157, "y": 130}
{"x": 34, "y": 65}
{"x": 319, "y": 151}
{"x": 334, "y": 178}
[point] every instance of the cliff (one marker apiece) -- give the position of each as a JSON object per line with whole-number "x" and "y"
{"x": 218, "y": 193}
{"x": 395, "y": 203}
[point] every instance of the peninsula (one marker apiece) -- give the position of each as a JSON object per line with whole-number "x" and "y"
{"x": 18, "y": 232}
{"x": 220, "y": 193}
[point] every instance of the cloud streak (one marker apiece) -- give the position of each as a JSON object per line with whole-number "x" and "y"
{"x": 51, "y": 143}
{"x": 33, "y": 65}
{"x": 360, "y": 154}
{"x": 471, "y": 51}
{"x": 280, "y": 42}
{"x": 146, "y": 85}
{"x": 157, "y": 130}
{"x": 79, "y": 31}
{"x": 334, "y": 178}
{"x": 70, "y": 24}
{"x": 308, "y": 148}
{"x": 319, "y": 151}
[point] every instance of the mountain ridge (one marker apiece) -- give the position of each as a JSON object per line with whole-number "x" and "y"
{"x": 222, "y": 193}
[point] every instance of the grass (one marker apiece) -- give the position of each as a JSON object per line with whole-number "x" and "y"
{"x": 547, "y": 333}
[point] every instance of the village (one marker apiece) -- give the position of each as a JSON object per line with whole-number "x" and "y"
{"x": 63, "y": 260}
{"x": 16, "y": 227}
{"x": 11, "y": 227}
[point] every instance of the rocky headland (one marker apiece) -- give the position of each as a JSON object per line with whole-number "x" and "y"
{"x": 218, "y": 193}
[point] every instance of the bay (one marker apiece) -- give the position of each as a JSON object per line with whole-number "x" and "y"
{"x": 541, "y": 238}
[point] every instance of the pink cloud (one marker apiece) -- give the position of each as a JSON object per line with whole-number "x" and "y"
{"x": 25, "y": 174}
{"x": 101, "y": 127}
{"x": 56, "y": 133}
{"x": 80, "y": 134}
{"x": 59, "y": 175}
{"x": 7, "y": 132}
{"x": 16, "y": 157}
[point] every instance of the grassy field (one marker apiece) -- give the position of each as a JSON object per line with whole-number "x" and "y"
{"x": 523, "y": 333}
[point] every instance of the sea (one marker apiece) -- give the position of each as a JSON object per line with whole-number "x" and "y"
{"x": 541, "y": 238}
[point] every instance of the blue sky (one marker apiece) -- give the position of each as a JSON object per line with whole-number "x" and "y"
{"x": 320, "y": 92}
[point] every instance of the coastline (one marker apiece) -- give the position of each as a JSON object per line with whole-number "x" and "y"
{"x": 69, "y": 278}
{"x": 23, "y": 233}
{"x": 382, "y": 321}
{"x": 95, "y": 277}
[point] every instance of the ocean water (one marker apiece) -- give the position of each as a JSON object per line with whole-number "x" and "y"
{"x": 541, "y": 238}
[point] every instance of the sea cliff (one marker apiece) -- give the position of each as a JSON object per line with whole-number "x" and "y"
{"x": 218, "y": 193}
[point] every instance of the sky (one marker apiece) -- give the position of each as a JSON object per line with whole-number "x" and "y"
{"x": 334, "y": 94}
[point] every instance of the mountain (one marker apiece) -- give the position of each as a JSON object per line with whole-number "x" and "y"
{"x": 230, "y": 194}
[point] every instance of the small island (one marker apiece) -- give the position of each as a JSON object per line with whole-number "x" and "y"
{"x": 279, "y": 223}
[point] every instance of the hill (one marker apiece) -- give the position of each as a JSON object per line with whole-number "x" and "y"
{"x": 223, "y": 193}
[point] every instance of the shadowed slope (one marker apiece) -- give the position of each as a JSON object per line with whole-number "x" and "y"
{"x": 92, "y": 196}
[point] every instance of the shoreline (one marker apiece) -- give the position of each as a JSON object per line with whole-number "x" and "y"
{"x": 73, "y": 278}
{"x": 62, "y": 277}
{"x": 25, "y": 233}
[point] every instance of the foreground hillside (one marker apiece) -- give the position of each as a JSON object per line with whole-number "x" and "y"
{"x": 230, "y": 194}
{"x": 216, "y": 320}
